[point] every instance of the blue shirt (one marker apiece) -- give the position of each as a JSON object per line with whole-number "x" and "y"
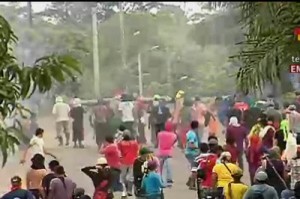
{"x": 152, "y": 183}
{"x": 192, "y": 138}
{"x": 19, "y": 194}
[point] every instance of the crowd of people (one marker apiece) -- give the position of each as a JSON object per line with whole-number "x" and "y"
{"x": 266, "y": 136}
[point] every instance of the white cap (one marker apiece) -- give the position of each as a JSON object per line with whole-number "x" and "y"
{"x": 101, "y": 161}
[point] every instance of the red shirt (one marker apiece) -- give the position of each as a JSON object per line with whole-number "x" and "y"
{"x": 112, "y": 155}
{"x": 129, "y": 151}
{"x": 233, "y": 151}
{"x": 207, "y": 163}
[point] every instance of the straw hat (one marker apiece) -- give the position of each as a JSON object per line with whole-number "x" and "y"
{"x": 101, "y": 161}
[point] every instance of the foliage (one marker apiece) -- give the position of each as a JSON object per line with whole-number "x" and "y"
{"x": 270, "y": 43}
{"x": 19, "y": 82}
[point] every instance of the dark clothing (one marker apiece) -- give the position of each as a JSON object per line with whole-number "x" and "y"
{"x": 36, "y": 193}
{"x": 19, "y": 193}
{"x": 138, "y": 175}
{"x": 239, "y": 135}
{"x": 251, "y": 116}
{"x": 267, "y": 140}
{"x": 160, "y": 114}
{"x": 273, "y": 179}
{"x": 129, "y": 126}
{"x": 46, "y": 182}
{"x": 101, "y": 130}
{"x": 77, "y": 114}
{"x": 281, "y": 143}
{"x": 234, "y": 113}
{"x": 102, "y": 180}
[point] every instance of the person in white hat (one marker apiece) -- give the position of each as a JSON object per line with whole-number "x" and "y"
{"x": 101, "y": 176}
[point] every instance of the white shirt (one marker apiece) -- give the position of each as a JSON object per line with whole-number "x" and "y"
{"x": 61, "y": 111}
{"x": 127, "y": 111}
{"x": 37, "y": 145}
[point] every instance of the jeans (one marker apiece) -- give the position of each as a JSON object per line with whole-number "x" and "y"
{"x": 127, "y": 178}
{"x": 166, "y": 169}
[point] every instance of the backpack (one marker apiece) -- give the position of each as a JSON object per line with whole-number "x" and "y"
{"x": 258, "y": 195}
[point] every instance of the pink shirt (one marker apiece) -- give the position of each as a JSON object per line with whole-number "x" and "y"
{"x": 166, "y": 141}
{"x": 112, "y": 155}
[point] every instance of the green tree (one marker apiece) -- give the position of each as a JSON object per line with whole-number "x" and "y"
{"x": 19, "y": 82}
{"x": 270, "y": 42}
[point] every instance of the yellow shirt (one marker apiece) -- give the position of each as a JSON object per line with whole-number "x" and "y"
{"x": 238, "y": 191}
{"x": 224, "y": 176}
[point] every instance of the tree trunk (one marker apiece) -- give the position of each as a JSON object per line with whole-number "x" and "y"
{"x": 29, "y": 10}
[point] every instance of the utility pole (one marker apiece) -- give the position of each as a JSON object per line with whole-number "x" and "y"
{"x": 140, "y": 74}
{"x": 95, "y": 53}
{"x": 29, "y": 12}
{"x": 123, "y": 44}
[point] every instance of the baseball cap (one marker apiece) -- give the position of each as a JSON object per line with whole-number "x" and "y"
{"x": 15, "y": 179}
{"x": 261, "y": 176}
{"x": 145, "y": 151}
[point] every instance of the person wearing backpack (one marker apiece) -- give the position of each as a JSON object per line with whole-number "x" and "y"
{"x": 139, "y": 171}
{"x": 261, "y": 190}
{"x": 236, "y": 189}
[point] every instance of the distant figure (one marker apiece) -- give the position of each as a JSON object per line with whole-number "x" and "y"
{"x": 17, "y": 191}
{"x": 126, "y": 110}
{"x": 61, "y": 112}
{"x": 77, "y": 113}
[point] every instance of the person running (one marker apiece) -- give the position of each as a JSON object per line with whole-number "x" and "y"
{"x": 102, "y": 179}
{"x": 222, "y": 173}
{"x": 16, "y": 190}
{"x": 238, "y": 134}
{"x": 129, "y": 149}
{"x": 166, "y": 140}
{"x": 61, "y": 112}
{"x": 36, "y": 145}
{"x": 236, "y": 189}
{"x": 99, "y": 121}
{"x": 61, "y": 187}
{"x": 126, "y": 110}
{"x": 35, "y": 175}
{"x": 152, "y": 183}
{"x": 184, "y": 125}
{"x": 139, "y": 170}
{"x": 203, "y": 167}
{"x": 192, "y": 149}
{"x": 261, "y": 190}
{"x": 113, "y": 156}
{"x": 77, "y": 113}
{"x": 50, "y": 176}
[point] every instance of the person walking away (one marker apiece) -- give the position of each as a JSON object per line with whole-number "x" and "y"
{"x": 198, "y": 114}
{"x": 61, "y": 187}
{"x": 192, "y": 149}
{"x": 275, "y": 169}
{"x": 61, "y": 112}
{"x": 126, "y": 109}
{"x": 140, "y": 110}
{"x": 185, "y": 120}
{"x": 267, "y": 135}
{"x": 139, "y": 171}
{"x": 202, "y": 169}
{"x": 222, "y": 173}
{"x": 102, "y": 178}
{"x": 166, "y": 140}
{"x": 230, "y": 146}
{"x": 238, "y": 134}
{"x": 236, "y": 189}
{"x": 16, "y": 190}
{"x": 261, "y": 190}
{"x": 99, "y": 121}
{"x": 35, "y": 175}
{"x": 119, "y": 136}
{"x": 152, "y": 183}
{"x": 50, "y": 176}
{"x": 36, "y": 145}
{"x": 160, "y": 114}
{"x": 254, "y": 152}
{"x": 77, "y": 113}
{"x": 152, "y": 118}
{"x": 282, "y": 134}
{"x": 273, "y": 112}
{"x": 129, "y": 149}
{"x": 113, "y": 156}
